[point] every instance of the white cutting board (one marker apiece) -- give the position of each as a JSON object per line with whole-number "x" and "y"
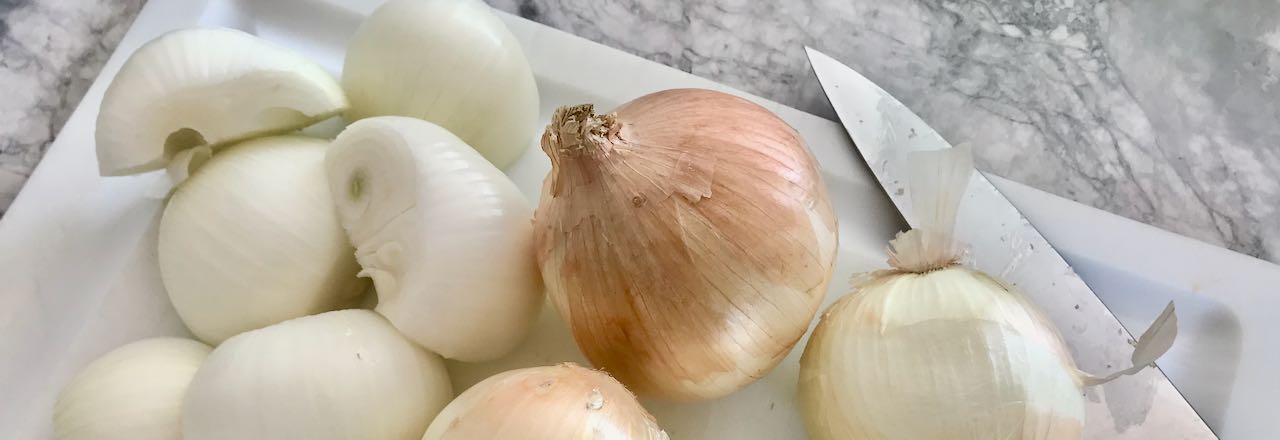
{"x": 78, "y": 273}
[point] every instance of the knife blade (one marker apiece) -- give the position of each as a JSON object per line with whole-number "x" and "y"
{"x": 1002, "y": 242}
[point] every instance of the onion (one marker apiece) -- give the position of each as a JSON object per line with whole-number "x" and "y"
{"x": 133, "y": 392}
{"x": 686, "y": 238}
{"x": 252, "y": 239}
{"x": 445, "y": 236}
{"x": 451, "y": 62}
{"x": 338, "y": 375}
{"x": 206, "y": 87}
{"x": 563, "y": 402}
{"x": 932, "y": 349}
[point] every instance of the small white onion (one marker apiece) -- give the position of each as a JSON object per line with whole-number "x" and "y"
{"x": 133, "y": 392}
{"x": 206, "y": 87}
{"x": 562, "y": 402}
{"x": 252, "y": 239}
{"x": 339, "y": 375}
{"x": 451, "y": 62}
{"x": 446, "y": 237}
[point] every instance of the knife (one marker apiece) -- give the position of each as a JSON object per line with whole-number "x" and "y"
{"x": 1002, "y": 242}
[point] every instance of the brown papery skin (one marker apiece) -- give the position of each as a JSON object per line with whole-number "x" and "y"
{"x": 561, "y": 402}
{"x": 686, "y": 238}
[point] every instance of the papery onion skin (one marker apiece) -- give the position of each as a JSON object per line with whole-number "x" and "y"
{"x": 445, "y": 236}
{"x": 950, "y": 353}
{"x": 252, "y": 239}
{"x": 338, "y": 375}
{"x": 134, "y": 392}
{"x": 562, "y": 402}
{"x": 206, "y": 87}
{"x": 686, "y": 237}
{"x": 451, "y": 62}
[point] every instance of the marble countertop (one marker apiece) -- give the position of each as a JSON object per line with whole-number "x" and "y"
{"x": 1163, "y": 111}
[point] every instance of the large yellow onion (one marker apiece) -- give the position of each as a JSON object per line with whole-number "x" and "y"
{"x": 686, "y": 237}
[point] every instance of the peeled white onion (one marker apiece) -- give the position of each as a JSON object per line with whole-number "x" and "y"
{"x": 339, "y": 375}
{"x": 451, "y": 62}
{"x": 949, "y": 353}
{"x": 252, "y": 239}
{"x": 930, "y": 349}
{"x": 562, "y": 402}
{"x": 445, "y": 236}
{"x": 131, "y": 393}
{"x": 206, "y": 87}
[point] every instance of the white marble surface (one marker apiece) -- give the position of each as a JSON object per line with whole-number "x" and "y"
{"x": 50, "y": 52}
{"x": 1164, "y": 111}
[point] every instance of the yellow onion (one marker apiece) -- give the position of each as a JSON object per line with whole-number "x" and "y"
{"x": 562, "y": 402}
{"x": 686, "y": 237}
{"x": 931, "y": 349}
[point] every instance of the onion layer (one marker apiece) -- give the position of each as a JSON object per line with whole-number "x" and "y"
{"x": 686, "y": 238}
{"x": 206, "y": 87}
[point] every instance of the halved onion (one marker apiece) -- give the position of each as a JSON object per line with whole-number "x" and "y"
{"x": 206, "y": 87}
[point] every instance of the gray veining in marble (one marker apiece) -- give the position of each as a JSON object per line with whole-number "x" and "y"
{"x": 50, "y": 52}
{"x": 1164, "y": 111}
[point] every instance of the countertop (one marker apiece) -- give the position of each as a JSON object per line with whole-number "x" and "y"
{"x": 1163, "y": 111}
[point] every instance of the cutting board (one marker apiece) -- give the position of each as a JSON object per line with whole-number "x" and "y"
{"x": 78, "y": 270}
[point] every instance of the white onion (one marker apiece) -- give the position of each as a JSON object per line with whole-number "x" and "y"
{"x": 206, "y": 87}
{"x": 252, "y": 239}
{"x": 131, "y": 393}
{"x": 338, "y": 375}
{"x": 945, "y": 354}
{"x": 930, "y": 349}
{"x": 451, "y": 62}
{"x": 445, "y": 236}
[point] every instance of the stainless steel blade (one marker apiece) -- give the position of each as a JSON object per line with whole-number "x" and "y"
{"x": 1004, "y": 243}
